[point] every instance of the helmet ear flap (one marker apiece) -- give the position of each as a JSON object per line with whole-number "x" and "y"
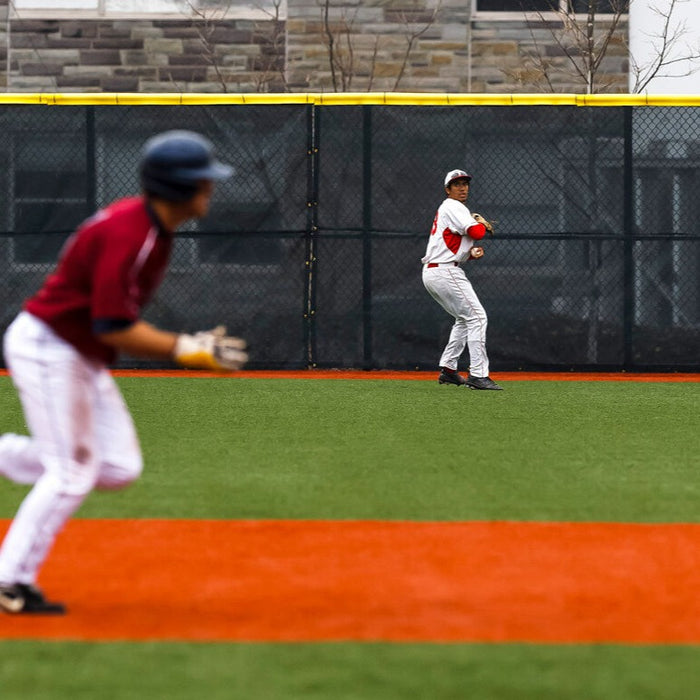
{"x": 157, "y": 184}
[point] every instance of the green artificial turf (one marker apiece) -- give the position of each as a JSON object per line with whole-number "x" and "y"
{"x": 254, "y": 448}
{"x": 242, "y": 448}
{"x": 345, "y": 671}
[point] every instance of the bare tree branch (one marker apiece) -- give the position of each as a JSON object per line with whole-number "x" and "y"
{"x": 373, "y": 64}
{"x": 277, "y": 44}
{"x": 205, "y": 30}
{"x": 349, "y": 64}
{"x": 535, "y": 62}
{"x": 668, "y": 41}
{"x": 342, "y": 49}
{"x": 206, "y": 16}
{"x": 412, "y": 37}
{"x": 583, "y": 42}
{"x": 330, "y": 38}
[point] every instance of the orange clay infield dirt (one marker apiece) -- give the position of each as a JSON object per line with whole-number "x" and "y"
{"x": 309, "y": 580}
{"x": 281, "y": 580}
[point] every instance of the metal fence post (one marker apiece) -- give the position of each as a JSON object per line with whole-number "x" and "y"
{"x": 90, "y": 162}
{"x": 367, "y": 235}
{"x": 628, "y": 244}
{"x": 310, "y": 263}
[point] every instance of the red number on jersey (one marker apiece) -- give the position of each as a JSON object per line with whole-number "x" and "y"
{"x": 434, "y": 228}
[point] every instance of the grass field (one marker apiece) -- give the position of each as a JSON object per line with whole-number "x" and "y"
{"x": 342, "y": 671}
{"x": 385, "y": 450}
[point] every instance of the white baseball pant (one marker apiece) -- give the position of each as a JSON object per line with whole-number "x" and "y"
{"x": 82, "y": 437}
{"x": 449, "y": 286}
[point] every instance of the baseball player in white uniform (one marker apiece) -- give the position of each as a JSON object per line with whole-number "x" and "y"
{"x": 452, "y": 237}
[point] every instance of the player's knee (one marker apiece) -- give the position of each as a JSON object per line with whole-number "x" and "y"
{"x": 476, "y": 318}
{"x": 71, "y": 477}
{"x": 479, "y": 318}
{"x": 118, "y": 475}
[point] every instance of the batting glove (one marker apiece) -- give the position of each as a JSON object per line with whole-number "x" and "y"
{"x": 210, "y": 350}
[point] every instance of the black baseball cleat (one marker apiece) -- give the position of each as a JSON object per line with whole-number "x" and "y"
{"x": 453, "y": 377}
{"x": 483, "y": 383}
{"x": 23, "y": 599}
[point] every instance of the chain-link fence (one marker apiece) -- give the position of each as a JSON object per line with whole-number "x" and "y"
{"x": 312, "y": 250}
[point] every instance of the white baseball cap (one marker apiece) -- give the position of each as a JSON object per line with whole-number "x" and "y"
{"x": 455, "y": 175}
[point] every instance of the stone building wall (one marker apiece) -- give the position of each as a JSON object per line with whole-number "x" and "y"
{"x": 143, "y": 55}
{"x": 405, "y": 45}
{"x": 375, "y": 45}
{"x": 509, "y": 57}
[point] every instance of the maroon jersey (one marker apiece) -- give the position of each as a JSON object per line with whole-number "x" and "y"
{"x": 108, "y": 270}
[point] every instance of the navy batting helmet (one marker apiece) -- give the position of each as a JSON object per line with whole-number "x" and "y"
{"x": 174, "y": 162}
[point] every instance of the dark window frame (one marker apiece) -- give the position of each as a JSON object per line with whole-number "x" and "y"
{"x": 502, "y": 7}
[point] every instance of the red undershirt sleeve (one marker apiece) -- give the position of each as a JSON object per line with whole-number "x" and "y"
{"x": 476, "y": 232}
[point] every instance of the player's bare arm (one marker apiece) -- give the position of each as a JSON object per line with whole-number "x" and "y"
{"x": 141, "y": 339}
{"x": 212, "y": 350}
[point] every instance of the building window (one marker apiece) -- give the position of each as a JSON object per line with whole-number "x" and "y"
{"x": 101, "y": 6}
{"x": 578, "y": 6}
{"x": 513, "y": 5}
{"x": 78, "y": 9}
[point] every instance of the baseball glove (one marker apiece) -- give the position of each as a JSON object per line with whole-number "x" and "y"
{"x": 210, "y": 350}
{"x": 488, "y": 224}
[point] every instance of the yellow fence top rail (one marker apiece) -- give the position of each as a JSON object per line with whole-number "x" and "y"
{"x": 352, "y": 98}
